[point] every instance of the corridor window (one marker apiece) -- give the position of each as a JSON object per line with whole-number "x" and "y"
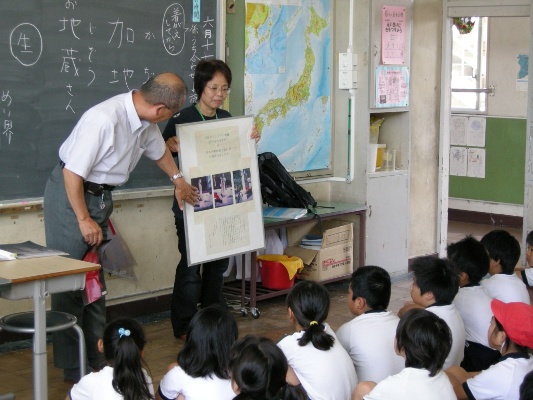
{"x": 469, "y": 68}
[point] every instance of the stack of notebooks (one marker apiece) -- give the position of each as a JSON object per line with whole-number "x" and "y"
{"x": 313, "y": 242}
{"x": 284, "y": 212}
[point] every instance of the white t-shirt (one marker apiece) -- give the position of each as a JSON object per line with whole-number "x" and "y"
{"x": 108, "y": 141}
{"x": 506, "y": 288}
{"x": 325, "y": 375}
{"x": 176, "y": 382}
{"x": 98, "y": 386}
{"x": 413, "y": 384}
{"x": 369, "y": 339}
{"x": 473, "y": 303}
{"x": 502, "y": 380}
{"x": 452, "y": 317}
{"x": 528, "y": 272}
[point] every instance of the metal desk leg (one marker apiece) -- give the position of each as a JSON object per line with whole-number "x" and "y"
{"x": 362, "y": 237}
{"x": 40, "y": 372}
{"x": 243, "y": 284}
{"x": 253, "y": 279}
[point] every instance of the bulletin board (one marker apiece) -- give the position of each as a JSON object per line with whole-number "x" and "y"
{"x": 505, "y": 145}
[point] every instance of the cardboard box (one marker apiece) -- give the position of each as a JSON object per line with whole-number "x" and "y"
{"x": 333, "y": 259}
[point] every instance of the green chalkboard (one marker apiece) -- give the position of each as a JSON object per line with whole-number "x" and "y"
{"x": 505, "y": 146}
{"x": 59, "y": 58}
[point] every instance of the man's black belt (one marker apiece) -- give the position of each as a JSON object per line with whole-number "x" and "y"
{"x": 91, "y": 187}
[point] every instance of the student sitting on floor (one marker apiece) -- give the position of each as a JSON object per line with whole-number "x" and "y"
{"x": 202, "y": 368}
{"x": 511, "y": 331}
{"x": 258, "y": 371}
{"x": 123, "y": 377}
{"x": 527, "y": 274}
{"x": 435, "y": 284}
{"x": 370, "y": 335}
{"x": 316, "y": 358}
{"x": 473, "y": 303}
{"x": 526, "y": 388}
{"x": 504, "y": 253}
{"x": 424, "y": 340}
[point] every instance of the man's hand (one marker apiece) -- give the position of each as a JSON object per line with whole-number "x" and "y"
{"x": 91, "y": 231}
{"x": 185, "y": 192}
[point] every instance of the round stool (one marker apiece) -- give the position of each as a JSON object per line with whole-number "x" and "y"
{"x": 55, "y": 321}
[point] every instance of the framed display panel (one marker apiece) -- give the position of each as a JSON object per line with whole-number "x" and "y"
{"x": 219, "y": 158}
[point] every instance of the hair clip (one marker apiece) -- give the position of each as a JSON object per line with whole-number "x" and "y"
{"x": 123, "y": 332}
{"x": 313, "y": 323}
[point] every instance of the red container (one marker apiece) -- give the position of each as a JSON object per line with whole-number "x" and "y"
{"x": 274, "y": 275}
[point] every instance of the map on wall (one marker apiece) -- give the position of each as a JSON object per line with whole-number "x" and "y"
{"x": 287, "y": 79}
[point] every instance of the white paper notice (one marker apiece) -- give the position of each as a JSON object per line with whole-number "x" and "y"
{"x": 476, "y": 163}
{"x": 475, "y": 133}
{"x": 458, "y": 161}
{"x": 458, "y": 130}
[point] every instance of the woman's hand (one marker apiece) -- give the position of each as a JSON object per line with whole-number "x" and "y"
{"x": 173, "y": 144}
{"x": 255, "y": 134}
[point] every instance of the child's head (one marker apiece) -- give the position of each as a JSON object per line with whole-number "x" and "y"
{"x": 470, "y": 258}
{"x": 423, "y": 339}
{"x": 529, "y": 249}
{"x": 435, "y": 280}
{"x": 308, "y": 303}
{"x": 258, "y": 371}
{"x": 210, "y": 335}
{"x": 512, "y": 324}
{"x": 504, "y": 251}
{"x": 370, "y": 289}
{"x": 122, "y": 344}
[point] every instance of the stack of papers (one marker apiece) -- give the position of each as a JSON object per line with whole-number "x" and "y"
{"x": 313, "y": 242}
{"x": 26, "y": 250}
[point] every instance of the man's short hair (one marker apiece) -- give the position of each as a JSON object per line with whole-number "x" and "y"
{"x": 373, "y": 284}
{"x": 502, "y": 247}
{"x": 166, "y": 88}
{"x": 438, "y": 276}
{"x": 470, "y": 256}
{"x": 425, "y": 338}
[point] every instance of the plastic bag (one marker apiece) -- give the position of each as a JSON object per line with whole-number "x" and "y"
{"x": 93, "y": 286}
{"x": 115, "y": 256}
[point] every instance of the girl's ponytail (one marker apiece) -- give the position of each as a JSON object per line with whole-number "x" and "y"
{"x": 309, "y": 302}
{"x": 123, "y": 344}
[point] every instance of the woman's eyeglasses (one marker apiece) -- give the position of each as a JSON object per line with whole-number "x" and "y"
{"x": 223, "y": 89}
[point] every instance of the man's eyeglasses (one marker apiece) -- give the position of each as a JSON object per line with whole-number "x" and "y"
{"x": 223, "y": 89}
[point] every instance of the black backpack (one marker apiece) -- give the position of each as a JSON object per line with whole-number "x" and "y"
{"x": 278, "y": 187}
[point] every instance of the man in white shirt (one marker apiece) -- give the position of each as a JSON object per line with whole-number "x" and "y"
{"x": 99, "y": 154}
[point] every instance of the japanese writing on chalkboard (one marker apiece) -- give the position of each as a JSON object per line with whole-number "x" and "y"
{"x": 63, "y": 57}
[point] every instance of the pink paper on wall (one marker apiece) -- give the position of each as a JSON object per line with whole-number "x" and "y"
{"x": 393, "y": 35}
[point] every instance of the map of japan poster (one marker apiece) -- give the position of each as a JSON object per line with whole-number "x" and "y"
{"x": 220, "y": 160}
{"x": 287, "y": 79}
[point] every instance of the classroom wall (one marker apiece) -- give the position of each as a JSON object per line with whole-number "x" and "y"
{"x": 147, "y": 223}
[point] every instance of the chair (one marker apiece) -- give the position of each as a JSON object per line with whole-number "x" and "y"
{"x": 55, "y": 321}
